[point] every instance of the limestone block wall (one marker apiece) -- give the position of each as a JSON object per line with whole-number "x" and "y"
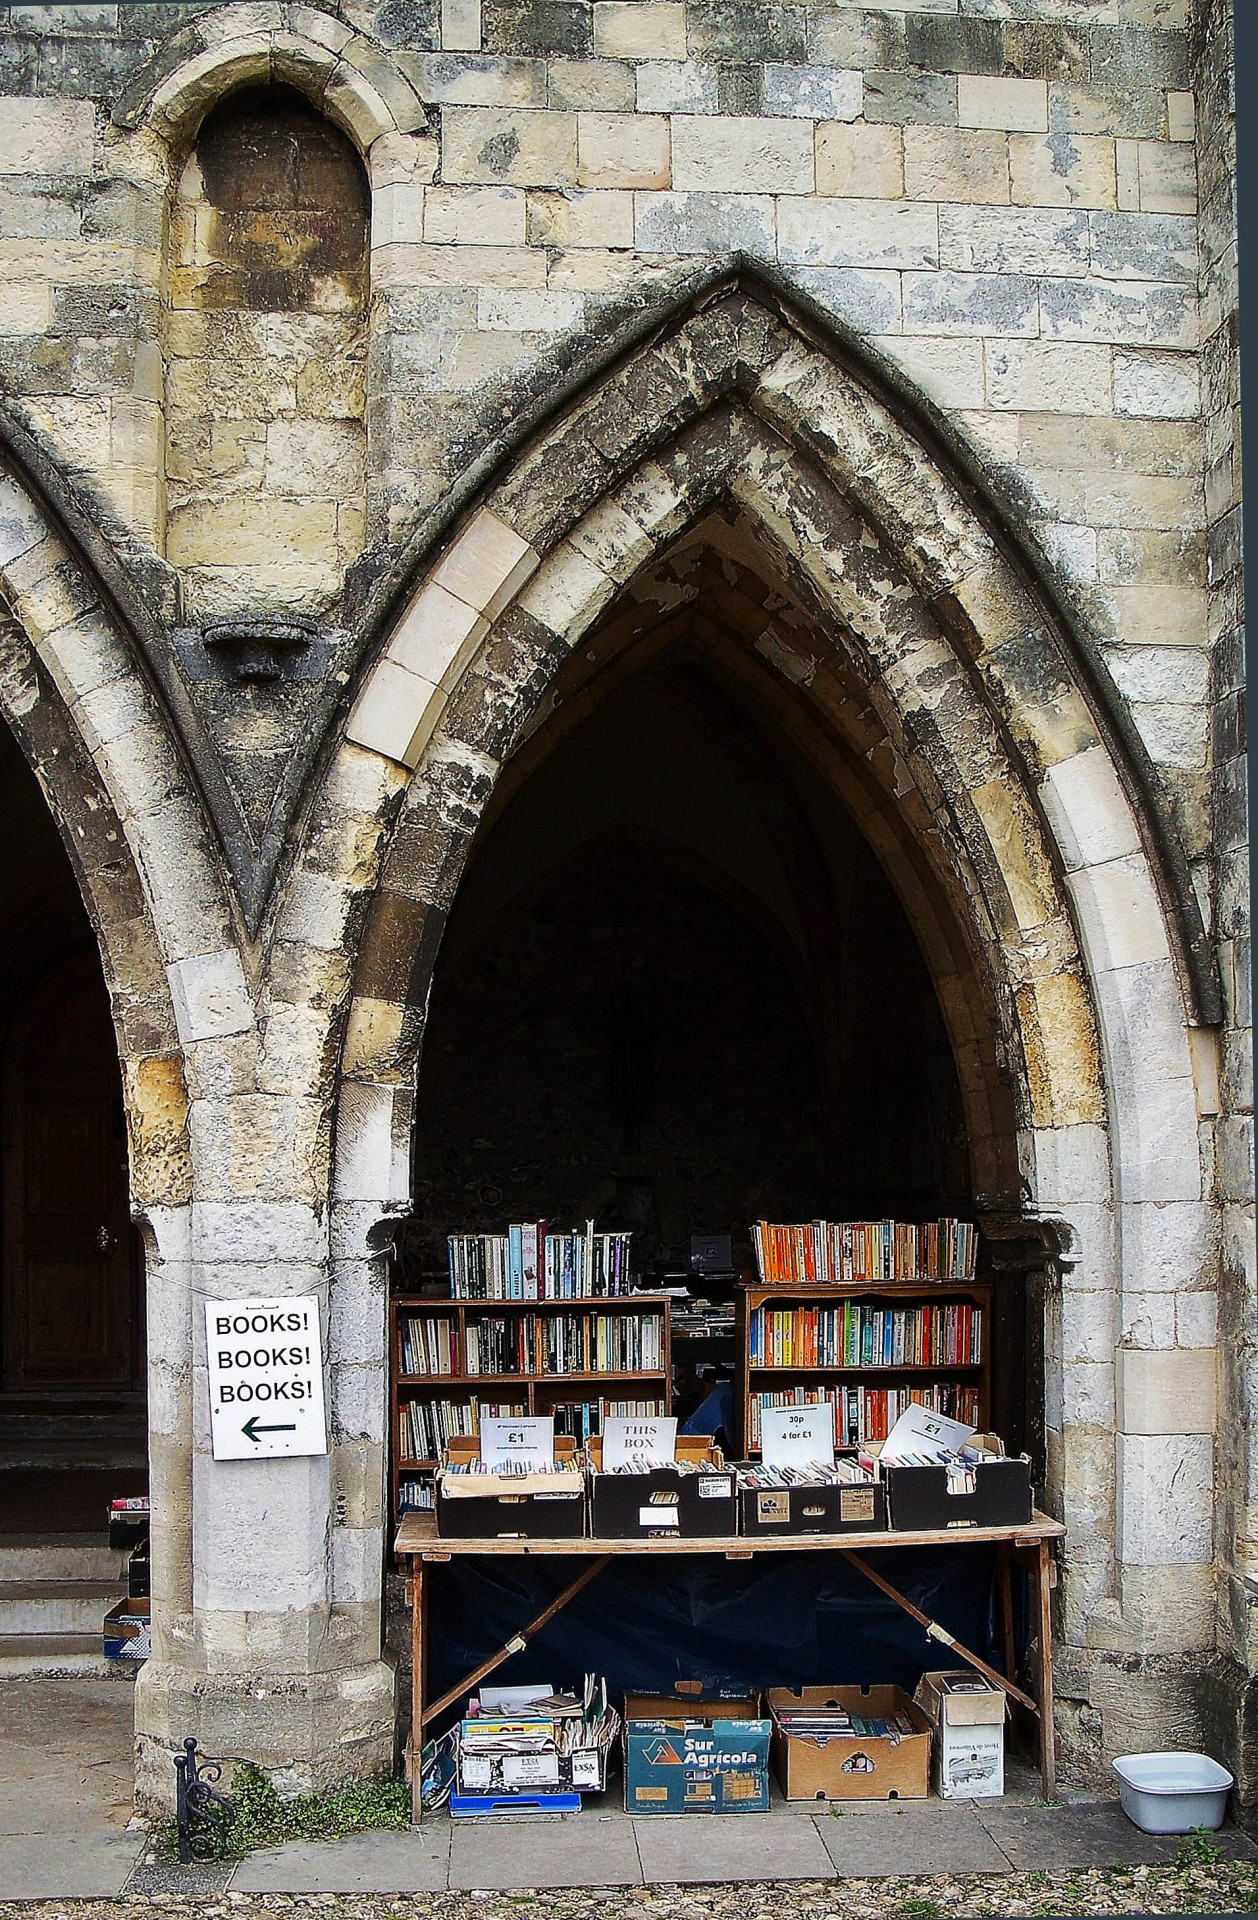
{"x": 1003, "y": 209}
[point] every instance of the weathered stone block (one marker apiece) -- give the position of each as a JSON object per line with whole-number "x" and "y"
{"x": 676, "y": 86}
{"x": 210, "y": 995}
{"x": 744, "y": 31}
{"x": 1060, "y": 170}
{"x": 911, "y": 99}
{"x": 547, "y": 310}
{"x": 536, "y": 26}
{"x": 704, "y": 223}
{"x": 596, "y": 219}
{"x": 497, "y": 147}
{"x": 480, "y": 216}
{"x": 595, "y": 86}
{"x": 1144, "y": 246}
{"x": 861, "y": 297}
{"x": 1162, "y": 386}
{"x": 1165, "y": 1499}
{"x": 1168, "y": 177}
{"x": 728, "y": 153}
{"x": 956, "y": 163}
{"x": 623, "y": 150}
{"x": 1128, "y": 312}
{"x": 640, "y": 29}
{"x": 860, "y": 162}
{"x": 47, "y": 137}
{"x": 1167, "y": 1392}
{"x": 812, "y": 93}
{"x": 481, "y": 80}
{"x": 486, "y": 564}
{"x": 1019, "y": 106}
{"x": 983, "y": 303}
{"x": 857, "y": 233}
{"x": 949, "y": 372}
{"x": 1013, "y": 240}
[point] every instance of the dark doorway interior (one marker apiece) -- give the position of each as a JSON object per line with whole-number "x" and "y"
{"x": 677, "y": 993}
{"x": 72, "y": 1404}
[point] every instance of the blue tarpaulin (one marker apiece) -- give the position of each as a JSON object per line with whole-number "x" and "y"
{"x": 781, "y": 1619}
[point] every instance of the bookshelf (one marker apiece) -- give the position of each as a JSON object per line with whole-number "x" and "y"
{"x": 519, "y": 1356}
{"x": 800, "y": 1340}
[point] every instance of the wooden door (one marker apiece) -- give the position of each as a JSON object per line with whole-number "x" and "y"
{"x": 69, "y": 1292}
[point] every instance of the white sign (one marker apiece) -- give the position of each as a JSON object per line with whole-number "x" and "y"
{"x": 796, "y": 1436}
{"x": 921, "y": 1435}
{"x": 266, "y": 1377}
{"x": 624, "y": 1441}
{"x": 526, "y": 1445}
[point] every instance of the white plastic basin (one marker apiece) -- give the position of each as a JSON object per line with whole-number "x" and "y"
{"x": 1172, "y": 1792}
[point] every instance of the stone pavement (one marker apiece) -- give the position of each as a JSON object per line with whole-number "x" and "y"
{"x": 65, "y": 1786}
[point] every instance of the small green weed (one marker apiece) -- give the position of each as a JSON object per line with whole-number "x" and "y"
{"x": 1198, "y": 1849}
{"x": 921, "y": 1909}
{"x": 260, "y": 1818}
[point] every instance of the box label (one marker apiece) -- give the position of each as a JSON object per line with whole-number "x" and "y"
{"x": 626, "y": 1441}
{"x": 856, "y": 1503}
{"x": 716, "y": 1486}
{"x": 796, "y": 1436}
{"x": 526, "y": 1445}
{"x": 530, "y": 1769}
{"x": 659, "y": 1516}
{"x": 773, "y": 1509}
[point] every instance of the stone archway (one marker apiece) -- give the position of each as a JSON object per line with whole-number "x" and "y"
{"x": 1002, "y": 793}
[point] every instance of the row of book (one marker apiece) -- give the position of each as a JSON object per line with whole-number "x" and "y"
{"x": 425, "y": 1426}
{"x": 851, "y": 1334}
{"x": 867, "y": 1413}
{"x": 580, "y": 1419}
{"x": 429, "y": 1344}
{"x": 540, "y": 1343}
{"x": 833, "y": 1252}
{"x": 528, "y": 1262}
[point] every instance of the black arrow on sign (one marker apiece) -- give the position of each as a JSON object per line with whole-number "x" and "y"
{"x": 251, "y": 1428}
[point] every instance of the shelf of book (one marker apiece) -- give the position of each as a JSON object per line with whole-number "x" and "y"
{"x": 434, "y": 1393}
{"x": 932, "y": 1339}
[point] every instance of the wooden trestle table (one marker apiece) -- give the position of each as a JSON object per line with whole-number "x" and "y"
{"x": 1032, "y": 1546}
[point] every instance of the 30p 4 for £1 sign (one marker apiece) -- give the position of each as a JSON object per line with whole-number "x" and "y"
{"x": 266, "y": 1378}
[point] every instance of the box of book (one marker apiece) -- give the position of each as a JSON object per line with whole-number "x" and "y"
{"x": 968, "y": 1719}
{"x": 978, "y": 1486}
{"x": 473, "y": 1503}
{"x": 691, "y": 1498}
{"x": 128, "y": 1522}
{"x": 695, "y": 1755}
{"x": 818, "y": 1498}
{"x": 849, "y": 1743}
{"x": 127, "y": 1633}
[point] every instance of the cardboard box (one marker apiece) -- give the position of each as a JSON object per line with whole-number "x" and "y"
{"x": 663, "y": 1502}
{"x": 996, "y": 1493}
{"x": 127, "y": 1631}
{"x": 537, "y": 1506}
{"x": 696, "y": 1755}
{"x": 969, "y": 1730}
{"x": 822, "y": 1509}
{"x": 851, "y": 1766}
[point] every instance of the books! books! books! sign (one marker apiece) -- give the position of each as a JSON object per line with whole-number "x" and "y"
{"x": 265, "y": 1360}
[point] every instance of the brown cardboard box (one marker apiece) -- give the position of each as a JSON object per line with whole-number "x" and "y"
{"x": 537, "y": 1506}
{"x": 851, "y": 1766}
{"x": 969, "y": 1729}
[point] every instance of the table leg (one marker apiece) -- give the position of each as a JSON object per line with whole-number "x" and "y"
{"x": 1048, "y": 1731}
{"x": 1006, "y": 1609}
{"x": 419, "y": 1651}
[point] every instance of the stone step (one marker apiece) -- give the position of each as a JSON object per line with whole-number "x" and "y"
{"x": 70, "y": 1556}
{"x": 57, "y": 1606}
{"x": 56, "y": 1656}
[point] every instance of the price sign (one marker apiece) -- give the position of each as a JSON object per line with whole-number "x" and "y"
{"x": 526, "y": 1445}
{"x": 794, "y": 1436}
{"x": 625, "y": 1441}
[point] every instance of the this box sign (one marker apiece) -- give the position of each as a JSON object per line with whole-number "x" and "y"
{"x": 796, "y": 1436}
{"x": 266, "y": 1378}
{"x": 526, "y": 1445}
{"x": 652, "y": 1441}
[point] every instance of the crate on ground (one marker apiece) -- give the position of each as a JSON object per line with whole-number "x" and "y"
{"x": 967, "y": 1718}
{"x": 687, "y": 1754}
{"x": 849, "y": 1743}
{"x": 127, "y": 1633}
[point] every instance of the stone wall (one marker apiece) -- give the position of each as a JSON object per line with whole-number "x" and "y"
{"x": 1000, "y": 588}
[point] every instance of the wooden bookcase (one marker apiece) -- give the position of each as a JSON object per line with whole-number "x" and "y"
{"x": 535, "y": 1392}
{"x": 758, "y": 1377}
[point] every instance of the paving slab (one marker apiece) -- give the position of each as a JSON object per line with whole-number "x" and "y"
{"x": 199, "y": 1880}
{"x": 81, "y": 1866}
{"x": 1100, "y": 1835}
{"x": 928, "y": 1837}
{"x": 68, "y": 1760}
{"x": 580, "y": 1850}
{"x": 414, "y": 1862}
{"x": 698, "y": 1848}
